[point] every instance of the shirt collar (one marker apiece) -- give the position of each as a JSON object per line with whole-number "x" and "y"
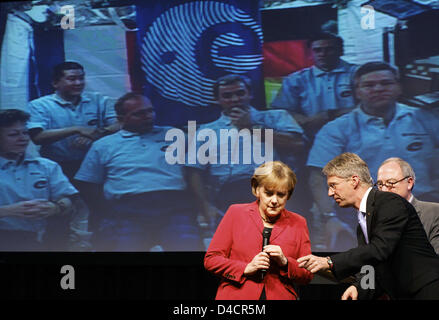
{"x": 66, "y": 103}
{"x": 400, "y": 112}
{"x": 4, "y": 163}
{"x": 363, "y": 203}
{"x": 411, "y": 198}
{"x": 129, "y": 134}
{"x": 339, "y": 68}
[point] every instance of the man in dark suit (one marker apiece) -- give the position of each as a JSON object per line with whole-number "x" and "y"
{"x": 397, "y": 176}
{"x": 390, "y": 236}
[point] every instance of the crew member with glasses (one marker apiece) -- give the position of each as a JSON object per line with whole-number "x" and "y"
{"x": 397, "y": 176}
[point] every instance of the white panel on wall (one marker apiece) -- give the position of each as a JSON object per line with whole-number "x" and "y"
{"x": 361, "y": 44}
{"x": 14, "y": 73}
{"x": 102, "y": 52}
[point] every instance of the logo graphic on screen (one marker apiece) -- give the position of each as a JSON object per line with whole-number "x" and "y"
{"x": 415, "y": 146}
{"x": 40, "y": 184}
{"x": 346, "y": 94}
{"x": 190, "y": 44}
{"x": 92, "y": 122}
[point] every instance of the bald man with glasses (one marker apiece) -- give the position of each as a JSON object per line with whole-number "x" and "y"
{"x": 390, "y": 236}
{"x": 397, "y": 176}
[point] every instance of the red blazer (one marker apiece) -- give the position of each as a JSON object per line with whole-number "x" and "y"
{"x": 238, "y": 239}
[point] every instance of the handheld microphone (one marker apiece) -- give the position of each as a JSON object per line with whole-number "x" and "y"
{"x": 266, "y": 233}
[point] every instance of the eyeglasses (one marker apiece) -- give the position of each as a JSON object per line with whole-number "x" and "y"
{"x": 388, "y": 184}
{"x": 333, "y": 186}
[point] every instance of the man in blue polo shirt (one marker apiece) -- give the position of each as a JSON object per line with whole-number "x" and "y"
{"x": 31, "y": 190}
{"x": 320, "y": 93}
{"x": 377, "y": 129}
{"x": 66, "y": 122}
{"x": 218, "y": 184}
{"x": 146, "y": 203}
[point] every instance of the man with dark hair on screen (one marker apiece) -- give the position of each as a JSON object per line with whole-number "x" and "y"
{"x": 390, "y": 235}
{"x": 377, "y": 129}
{"x": 141, "y": 200}
{"x": 32, "y": 189}
{"x": 320, "y": 93}
{"x": 66, "y": 122}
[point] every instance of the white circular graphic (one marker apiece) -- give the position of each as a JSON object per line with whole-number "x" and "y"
{"x": 169, "y": 54}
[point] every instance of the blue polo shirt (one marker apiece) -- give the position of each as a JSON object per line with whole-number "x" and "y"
{"x": 128, "y": 163}
{"x": 311, "y": 90}
{"x": 52, "y": 112}
{"x": 31, "y": 179}
{"x": 221, "y": 173}
{"x": 412, "y": 134}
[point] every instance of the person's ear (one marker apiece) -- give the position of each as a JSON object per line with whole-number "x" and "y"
{"x": 256, "y": 191}
{"x": 411, "y": 183}
{"x": 355, "y": 180}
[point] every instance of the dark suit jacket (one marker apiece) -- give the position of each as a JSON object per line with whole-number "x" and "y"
{"x": 398, "y": 249}
{"x": 428, "y": 212}
{"x": 238, "y": 239}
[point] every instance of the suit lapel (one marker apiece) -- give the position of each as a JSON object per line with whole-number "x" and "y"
{"x": 360, "y": 235}
{"x": 255, "y": 216}
{"x": 370, "y": 209}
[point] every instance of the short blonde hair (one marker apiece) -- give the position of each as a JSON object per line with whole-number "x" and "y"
{"x": 347, "y": 165}
{"x": 271, "y": 174}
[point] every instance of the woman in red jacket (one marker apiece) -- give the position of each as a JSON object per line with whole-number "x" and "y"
{"x": 235, "y": 253}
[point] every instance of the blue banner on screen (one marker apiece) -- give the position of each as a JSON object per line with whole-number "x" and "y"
{"x": 186, "y": 45}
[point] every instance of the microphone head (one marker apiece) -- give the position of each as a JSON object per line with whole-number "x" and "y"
{"x": 266, "y": 232}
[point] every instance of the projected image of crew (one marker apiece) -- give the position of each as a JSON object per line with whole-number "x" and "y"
{"x": 255, "y": 247}
{"x": 139, "y": 201}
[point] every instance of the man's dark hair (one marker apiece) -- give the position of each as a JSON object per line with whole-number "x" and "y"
{"x": 118, "y": 106}
{"x": 58, "y": 70}
{"x": 372, "y": 67}
{"x": 327, "y": 36}
{"x": 230, "y": 79}
{"x": 8, "y": 117}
